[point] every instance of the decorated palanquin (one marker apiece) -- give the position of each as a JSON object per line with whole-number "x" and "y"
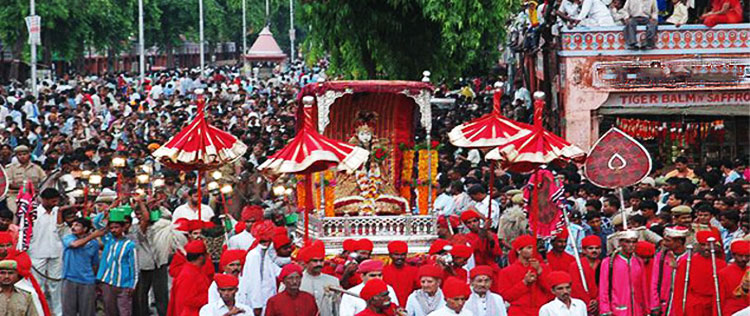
{"x": 378, "y": 200}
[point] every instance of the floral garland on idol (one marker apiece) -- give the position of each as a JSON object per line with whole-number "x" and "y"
{"x": 425, "y": 178}
{"x": 407, "y": 171}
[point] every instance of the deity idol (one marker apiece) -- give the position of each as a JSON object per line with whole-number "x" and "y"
{"x": 369, "y": 190}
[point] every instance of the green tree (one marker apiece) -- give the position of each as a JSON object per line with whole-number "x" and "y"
{"x": 399, "y": 38}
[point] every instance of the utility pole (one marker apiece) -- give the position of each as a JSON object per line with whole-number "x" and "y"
{"x": 244, "y": 27}
{"x": 141, "y": 44}
{"x": 200, "y": 30}
{"x": 32, "y": 12}
{"x": 292, "y": 32}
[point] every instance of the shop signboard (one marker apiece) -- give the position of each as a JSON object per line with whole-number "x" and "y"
{"x": 678, "y": 98}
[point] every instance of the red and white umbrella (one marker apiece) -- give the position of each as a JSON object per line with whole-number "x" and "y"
{"x": 539, "y": 147}
{"x": 200, "y": 146}
{"x": 311, "y": 152}
{"x": 490, "y": 130}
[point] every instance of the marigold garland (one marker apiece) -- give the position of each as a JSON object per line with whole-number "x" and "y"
{"x": 316, "y": 190}
{"x": 407, "y": 171}
{"x": 300, "y": 191}
{"x": 330, "y": 182}
{"x": 425, "y": 178}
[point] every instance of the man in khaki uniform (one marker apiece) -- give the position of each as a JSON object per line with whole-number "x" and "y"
{"x": 20, "y": 171}
{"x": 13, "y": 302}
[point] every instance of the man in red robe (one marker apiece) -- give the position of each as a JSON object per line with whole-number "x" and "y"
{"x": 192, "y": 228}
{"x": 375, "y": 293}
{"x": 190, "y": 288}
{"x": 486, "y": 248}
{"x": 400, "y": 276}
{"x": 557, "y": 258}
{"x": 460, "y": 255}
{"x": 291, "y": 301}
{"x": 701, "y": 293}
{"x": 592, "y": 249}
{"x": 730, "y": 278}
{"x": 523, "y": 283}
{"x": 349, "y": 276}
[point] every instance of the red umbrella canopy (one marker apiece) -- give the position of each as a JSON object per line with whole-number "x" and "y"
{"x": 536, "y": 148}
{"x": 200, "y": 146}
{"x": 310, "y": 151}
{"x": 490, "y": 130}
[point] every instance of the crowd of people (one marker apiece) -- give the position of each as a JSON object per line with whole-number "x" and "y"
{"x": 684, "y": 250}
{"x": 568, "y": 14}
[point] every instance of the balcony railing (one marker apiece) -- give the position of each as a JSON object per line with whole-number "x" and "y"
{"x": 418, "y": 231}
{"x": 687, "y": 39}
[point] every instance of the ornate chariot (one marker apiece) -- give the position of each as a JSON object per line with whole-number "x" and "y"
{"x": 390, "y": 196}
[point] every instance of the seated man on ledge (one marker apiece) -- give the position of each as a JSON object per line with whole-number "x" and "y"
{"x": 640, "y": 12}
{"x": 723, "y": 12}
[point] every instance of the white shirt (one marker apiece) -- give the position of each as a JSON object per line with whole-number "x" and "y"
{"x": 489, "y": 305}
{"x": 184, "y": 211}
{"x": 557, "y": 308}
{"x": 444, "y": 204}
{"x": 258, "y": 285}
{"x": 744, "y": 312}
{"x": 219, "y": 309}
{"x": 595, "y": 13}
{"x": 351, "y": 305}
{"x": 483, "y": 208}
{"x": 45, "y": 241}
{"x": 241, "y": 241}
{"x": 445, "y": 311}
{"x": 414, "y": 308}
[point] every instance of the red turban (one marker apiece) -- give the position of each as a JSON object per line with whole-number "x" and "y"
{"x": 280, "y": 240}
{"x": 289, "y": 269}
{"x": 469, "y": 214}
{"x": 438, "y": 245}
{"x": 6, "y": 238}
{"x": 740, "y": 247}
{"x": 523, "y": 241}
{"x": 350, "y": 245}
{"x": 461, "y": 251}
{"x": 481, "y": 270}
{"x": 224, "y": 281}
{"x": 370, "y": 265}
{"x": 252, "y": 212}
{"x": 563, "y": 234}
{"x": 231, "y": 255}
{"x": 455, "y": 287}
{"x": 239, "y": 227}
{"x": 186, "y": 225}
{"x": 195, "y": 247}
{"x": 702, "y": 236}
{"x": 373, "y": 287}
{"x": 363, "y": 244}
{"x": 453, "y": 220}
{"x": 430, "y": 270}
{"x": 558, "y": 277}
{"x": 23, "y": 262}
{"x": 316, "y": 250}
{"x": 398, "y": 246}
{"x": 645, "y": 249}
{"x": 262, "y": 230}
{"x": 592, "y": 240}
